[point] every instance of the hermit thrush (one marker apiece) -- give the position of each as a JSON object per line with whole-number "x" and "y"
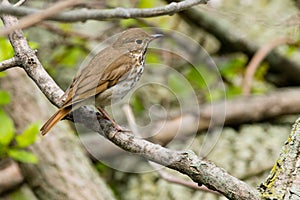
{"x": 108, "y": 77}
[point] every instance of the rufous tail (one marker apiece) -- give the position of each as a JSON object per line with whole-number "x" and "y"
{"x": 61, "y": 113}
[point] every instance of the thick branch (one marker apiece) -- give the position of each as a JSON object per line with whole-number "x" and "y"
{"x": 283, "y": 181}
{"x": 198, "y": 169}
{"x": 281, "y": 102}
{"x": 10, "y": 175}
{"x": 31, "y": 63}
{"x": 63, "y": 171}
{"x": 125, "y": 13}
{"x": 278, "y": 103}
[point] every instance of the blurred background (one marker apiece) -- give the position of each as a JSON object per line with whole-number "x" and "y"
{"x": 200, "y": 63}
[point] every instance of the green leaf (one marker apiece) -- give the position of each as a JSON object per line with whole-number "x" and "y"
{"x": 128, "y": 22}
{"x": 101, "y": 167}
{"x": 262, "y": 71}
{"x": 195, "y": 77}
{"x": 72, "y": 56}
{"x": 65, "y": 26}
{"x": 137, "y": 105}
{"x": 230, "y": 68}
{"x": 146, "y": 4}
{"x": 2, "y": 74}
{"x": 214, "y": 95}
{"x": 4, "y": 97}
{"x": 179, "y": 85}
{"x": 152, "y": 57}
{"x": 290, "y": 50}
{"x": 3, "y": 150}
{"x": 22, "y": 156}
{"x": 29, "y": 136}
{"x": 6, "y": 49}
{"x": 67, "y": 56}
{"x": 33, "y": 45}
{"x": 233, "y": 91}
{"x": 6, "y": 129}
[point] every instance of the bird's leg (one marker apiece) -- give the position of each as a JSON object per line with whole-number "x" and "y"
{"x": 116, "y": 126}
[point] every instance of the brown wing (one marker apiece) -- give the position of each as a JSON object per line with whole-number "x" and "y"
{"x": 102, "y": 72}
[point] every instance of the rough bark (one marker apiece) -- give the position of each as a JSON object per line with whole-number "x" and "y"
{"x": 197, "y": 168}
{"x": 63, "y": 171}
{"x": 283, "y": 181}
{"x": 10, "y": 175}
{"x": 274, "y": 104}
{"x": 77, "y": 15}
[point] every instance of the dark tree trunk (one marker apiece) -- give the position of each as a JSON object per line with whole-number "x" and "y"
{"x": 63, "y": 170}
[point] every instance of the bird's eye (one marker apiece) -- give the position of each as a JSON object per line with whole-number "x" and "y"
{"x": 139, "y": 41}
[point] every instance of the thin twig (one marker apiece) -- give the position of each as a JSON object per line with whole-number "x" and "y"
{"x": 172, "y": 179}
{"x": 68, "y": 33}
{"x": 186, "y": 162}
{"x": 9, "y": 63}
{"x": 130, "y": 119}
{"x": 19, "y": 3}
{"x": 104, "y": 14}
{"x": 39, "y": 16}
{"x": 258, "y": 58}
{"x": 231, "y": 41}
{"x": 166, "y": 176}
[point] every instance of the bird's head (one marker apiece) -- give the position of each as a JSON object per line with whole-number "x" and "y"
{"x": 134, "y": 40}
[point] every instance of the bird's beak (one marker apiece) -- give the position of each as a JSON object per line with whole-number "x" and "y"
{"x": 154, "y": 36}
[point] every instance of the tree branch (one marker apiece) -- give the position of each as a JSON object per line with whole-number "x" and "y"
{"x": 186, "y": 162}
{"x": 10, "y": 175}
{"x": 125, "y": 13}
{"x": 258, "y": 58}
{"x": 163, "y": 174}
{"x": 19, "y": 3}
{"x": 9, "y": 63}
{"x": 57, "y": 175}
{"x": 283, "y": 181}
{"x": 38, "y": 16}
{"x": 198, "y": 169}
{"x": 68, "y": 33}
{"x": 232, "y": 42}
{"x": 173, "y": 179}
{"x": 63, "y": 168}
{"x": 33, "y": 67}
{"x": 275, "y": 104}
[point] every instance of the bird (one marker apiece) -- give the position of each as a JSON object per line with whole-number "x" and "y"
{"x": 107, "y": 77}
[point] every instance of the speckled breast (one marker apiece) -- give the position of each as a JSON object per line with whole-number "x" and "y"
{"x": 118, "y": 91}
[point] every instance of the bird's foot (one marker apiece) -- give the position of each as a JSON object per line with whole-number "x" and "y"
{"x": 117, "y": 127}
